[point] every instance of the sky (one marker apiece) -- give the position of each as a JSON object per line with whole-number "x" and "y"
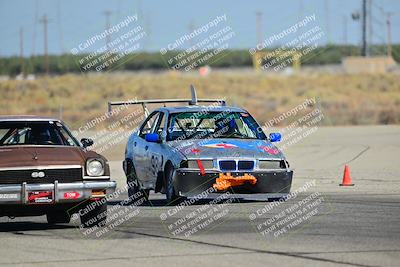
{"x": 72, "y": 22}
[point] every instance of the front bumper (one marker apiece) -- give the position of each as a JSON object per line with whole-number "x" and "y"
{"x": 61, "y": 192}
{"x": 270, "y": 184}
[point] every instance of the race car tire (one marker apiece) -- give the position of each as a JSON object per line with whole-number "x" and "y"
{"x": 95, "y": 217}
{"x": 58, "y": 217}
{"x": 171, "y": 196}
{"x": 133, "y": 185}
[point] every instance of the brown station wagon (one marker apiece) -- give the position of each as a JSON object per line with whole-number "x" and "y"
{"x": 44, "y": 170}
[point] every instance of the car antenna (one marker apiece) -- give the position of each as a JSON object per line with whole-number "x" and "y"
{"x": 194, "y": 96}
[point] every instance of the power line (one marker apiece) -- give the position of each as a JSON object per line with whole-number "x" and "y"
{"x": 383, "y": 22}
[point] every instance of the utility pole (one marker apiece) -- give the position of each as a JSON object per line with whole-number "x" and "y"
{"x": 108, "y": 13}
{"x": 45, "y": 21}
{"x": 21, "y": 50}
{"x": 259, "y": 27}
{"x": 364, "y": 50}
{"x": 369, "y": 26}
{"x": 389, "y": 33}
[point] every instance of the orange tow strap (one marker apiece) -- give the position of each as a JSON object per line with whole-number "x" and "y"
{"x": 225, "y": 181}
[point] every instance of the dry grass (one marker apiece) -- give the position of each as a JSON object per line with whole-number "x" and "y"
{"x": 345, "y": 99}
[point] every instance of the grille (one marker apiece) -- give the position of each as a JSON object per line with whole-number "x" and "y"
{"x": 231, "y": 165}
{"x": 245, "y": 165}
{"x": 227, "y": 165}
{"x": 61, "y": 175}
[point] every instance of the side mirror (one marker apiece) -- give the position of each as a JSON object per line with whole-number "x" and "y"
{"x": 152, "y": 137}
{"x": 86, "y": 142}
{"x": 275, "y": 137}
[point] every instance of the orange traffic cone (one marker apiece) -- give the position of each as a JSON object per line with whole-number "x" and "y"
{"x": 346, "y": 177}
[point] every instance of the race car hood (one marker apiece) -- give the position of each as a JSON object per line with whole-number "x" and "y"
{"x": 220, "y": 148}
{"x": 40, "y": 156}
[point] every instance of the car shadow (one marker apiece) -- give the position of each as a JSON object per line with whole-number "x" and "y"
{"x": 19, "y": 227}
{"x": 164, "y": 203}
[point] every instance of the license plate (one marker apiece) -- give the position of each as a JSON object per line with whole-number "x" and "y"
{"x": 40, "y": 197}
{"x": 8, "y": 196}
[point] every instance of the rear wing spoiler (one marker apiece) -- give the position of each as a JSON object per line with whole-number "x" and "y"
{"x": 192, "y": 102}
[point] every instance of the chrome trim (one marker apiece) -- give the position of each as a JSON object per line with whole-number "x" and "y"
{"x": 200, "y": 158}
{"x": 23, "y": 118}
{"x": 24, "y": 196}
{"x": 272, "y": 159}
{"x": 42, "y": 167}
{"x": 55, "y": 191}
{"x": 83, "y": 188}
{"x": 95, "y": 177}
{"x": 197, "y": 170}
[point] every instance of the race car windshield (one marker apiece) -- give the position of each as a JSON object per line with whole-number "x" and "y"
{"x": 200, "y": 125}
{"x": 35, "y": 133}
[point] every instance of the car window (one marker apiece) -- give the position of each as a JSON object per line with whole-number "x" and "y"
{"x": 160, "y": 123}
{"x": 149, "y": 124}
{"x": 3, "y": 133}
{"x": 35, "y": 133}
{"x": 199, "y": 125}
{"x": 66, "y": 136}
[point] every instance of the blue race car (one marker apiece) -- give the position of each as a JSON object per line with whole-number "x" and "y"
{"x": 202, "y": 151}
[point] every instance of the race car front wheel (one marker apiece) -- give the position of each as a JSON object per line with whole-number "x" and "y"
{"x": 133, "y": 185}
{"x": 172, "y": 197}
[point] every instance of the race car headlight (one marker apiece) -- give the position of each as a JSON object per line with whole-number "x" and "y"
{"x": 207, "y": 164}
{"x": 95, "y": 167}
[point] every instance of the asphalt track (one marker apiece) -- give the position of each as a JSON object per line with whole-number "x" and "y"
{"x": 352, "y": 226}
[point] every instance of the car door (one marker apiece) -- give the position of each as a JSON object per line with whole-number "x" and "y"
{"x": 155, "y": 152}
{"x": 141, "y": 146}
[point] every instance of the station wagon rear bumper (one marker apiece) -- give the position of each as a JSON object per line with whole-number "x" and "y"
{"x": 270, "y": 184}
{"x": 56, "y": 192}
